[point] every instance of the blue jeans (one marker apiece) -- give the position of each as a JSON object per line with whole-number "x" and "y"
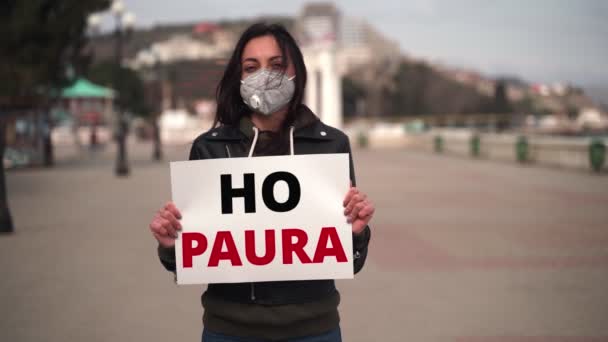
{"x": 331, "y": 336}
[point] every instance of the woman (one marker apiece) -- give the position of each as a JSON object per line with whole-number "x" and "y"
{"x": 260, "y": 113}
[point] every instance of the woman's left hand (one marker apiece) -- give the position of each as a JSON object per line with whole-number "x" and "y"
{"x": 358, "y": 209}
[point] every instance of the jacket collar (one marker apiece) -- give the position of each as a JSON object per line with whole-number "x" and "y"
{"x": 307, "y": 126}
{"x": 316, "y": 131}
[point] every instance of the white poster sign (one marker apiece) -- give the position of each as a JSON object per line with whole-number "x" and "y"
{"x": 262, "y": 219}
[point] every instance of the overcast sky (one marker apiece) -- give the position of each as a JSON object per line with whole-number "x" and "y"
{"x": 538, "y": 40}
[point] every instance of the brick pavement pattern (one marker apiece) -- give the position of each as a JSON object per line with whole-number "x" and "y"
{"x": 462, "y": 250}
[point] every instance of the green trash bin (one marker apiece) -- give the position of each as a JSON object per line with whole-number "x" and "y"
{"x": 522, "y": 149}
{"x": 362, "y": 140}
{"x": 475, "y": 146}
{"x": 439, "y": 144}
{"x": 597, "y": 154}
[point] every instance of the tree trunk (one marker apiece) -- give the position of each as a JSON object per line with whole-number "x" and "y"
{"x": 158, "y": 153}
{"x": 6, "y": 222}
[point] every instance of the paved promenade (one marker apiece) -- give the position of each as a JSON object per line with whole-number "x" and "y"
{"x": 462, "y": 250}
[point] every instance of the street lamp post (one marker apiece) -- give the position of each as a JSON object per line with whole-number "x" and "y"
{"x": 124, "y": 24}
{"x": 94, "y": 24}
{"x": 158, "y": 70}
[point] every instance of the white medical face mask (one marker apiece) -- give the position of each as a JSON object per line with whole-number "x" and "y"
{"x": 267, "y": 91}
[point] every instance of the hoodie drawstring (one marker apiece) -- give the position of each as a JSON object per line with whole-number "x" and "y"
{"x": 256, "y": 133}
{"x": 255, "y": 141}
{"x": 291, "y": 139}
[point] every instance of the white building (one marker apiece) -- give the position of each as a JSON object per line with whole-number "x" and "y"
{"x": 318, "y": 31}
{"x": 361, "y": 44}
{"x": 334, "y": 45}
{"x": 184, "y": 47}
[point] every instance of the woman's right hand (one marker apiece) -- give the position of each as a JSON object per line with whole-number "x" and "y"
{"x": 165, "y": 225}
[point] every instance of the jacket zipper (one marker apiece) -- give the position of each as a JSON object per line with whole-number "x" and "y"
{"x": 252, "y": 285}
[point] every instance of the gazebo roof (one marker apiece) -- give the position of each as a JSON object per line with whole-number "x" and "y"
{"x": 83, "y": 88}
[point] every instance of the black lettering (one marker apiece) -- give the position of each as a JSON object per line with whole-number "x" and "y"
{"x": 268, "y": 191}
{"x": 247, "y": 192}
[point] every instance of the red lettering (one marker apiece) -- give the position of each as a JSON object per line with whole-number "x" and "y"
{"x": 329, "y": 233}
{"x": 250, "y": 248}
{"x": 231, "y": 254}
{"x": 297, "y": 247}
{"x": 189, "y": 251}
{"x": 293, "y": 240}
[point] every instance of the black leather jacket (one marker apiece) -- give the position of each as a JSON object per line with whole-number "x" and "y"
{"x": 231, "y": 142}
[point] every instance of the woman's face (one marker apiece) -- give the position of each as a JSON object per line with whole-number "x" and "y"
{"x": 263, "y": 53}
